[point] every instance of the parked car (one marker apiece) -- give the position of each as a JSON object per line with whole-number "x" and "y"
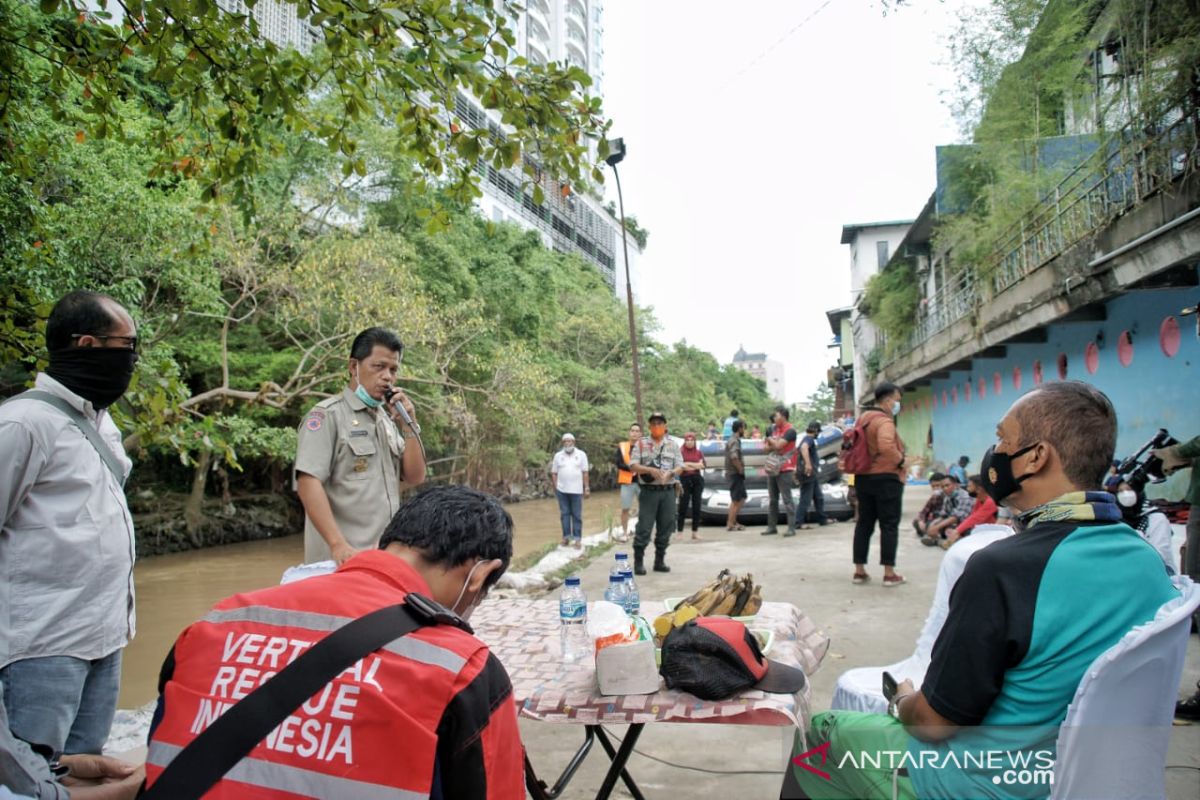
{"x": 715, "y": 500}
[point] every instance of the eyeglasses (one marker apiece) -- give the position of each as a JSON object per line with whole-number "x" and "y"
{"x": 132, "y": 341}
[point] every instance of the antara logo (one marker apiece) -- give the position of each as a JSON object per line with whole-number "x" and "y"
{"x": 822, "y": 751}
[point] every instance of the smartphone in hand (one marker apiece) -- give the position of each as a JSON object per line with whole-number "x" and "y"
{"x": 889, "y": 686}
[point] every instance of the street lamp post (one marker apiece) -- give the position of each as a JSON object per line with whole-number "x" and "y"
{"x": 615, "y": 155}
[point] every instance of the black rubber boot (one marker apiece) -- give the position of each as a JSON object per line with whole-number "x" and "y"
{"x": 660, "y": 561}
{"x": 639, "y": 563}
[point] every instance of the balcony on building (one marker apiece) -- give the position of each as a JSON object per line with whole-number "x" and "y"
{"x": 538, "y": 28}
{"x": 577, "y": 52}
{"x": 1123, "y": 216}
{"x": 577, "y": 18}
{"x": 539, "y": 51}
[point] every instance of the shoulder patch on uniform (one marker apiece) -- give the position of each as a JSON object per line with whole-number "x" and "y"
{"x": 314, "y": 420}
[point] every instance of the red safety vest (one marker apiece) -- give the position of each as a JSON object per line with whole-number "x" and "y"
{"x": 789, "y": 449}
{"x": 373, "y": 731}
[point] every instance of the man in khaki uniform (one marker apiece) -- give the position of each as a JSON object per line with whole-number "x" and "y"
{"x": 657, "y": 463}
{"x": 353, "y": 458}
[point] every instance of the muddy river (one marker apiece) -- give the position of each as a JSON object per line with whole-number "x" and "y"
{"x": 174, "y": 590}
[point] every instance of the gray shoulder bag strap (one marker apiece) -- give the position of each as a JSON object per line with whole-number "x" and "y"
{"x": 84, "y": 425}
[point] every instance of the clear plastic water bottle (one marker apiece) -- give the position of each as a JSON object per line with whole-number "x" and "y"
{"x": 572, "y": 614}
{"x": 620, "y": 564}
{"x": 633, "y": 598}
{"x": 616, "y": 590}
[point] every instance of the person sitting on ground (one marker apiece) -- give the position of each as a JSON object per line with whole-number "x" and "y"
{"x": 958, "y": 507}
{"x": 1027, "y": 619}
{"x": 429, "y": 715}
{"x": 1143, "y": 517}
{"x": 982, "y": 513}
{"x": 934, "y": 506}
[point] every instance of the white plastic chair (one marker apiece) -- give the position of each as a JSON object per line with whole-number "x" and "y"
{"x": 861, "y": 689}
{"x": 1113, "y": 742}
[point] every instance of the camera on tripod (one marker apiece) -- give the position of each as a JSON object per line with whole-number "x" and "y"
{"x": 1138, "y": 473}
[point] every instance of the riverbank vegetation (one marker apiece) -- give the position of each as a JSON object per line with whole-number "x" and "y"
{"x": 247, "y": 297}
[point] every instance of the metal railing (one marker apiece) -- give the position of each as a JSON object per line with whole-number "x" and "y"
{"x": 1123, "y": 173}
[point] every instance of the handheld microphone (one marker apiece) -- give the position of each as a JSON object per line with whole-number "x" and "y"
{"x": 388, "y": 394}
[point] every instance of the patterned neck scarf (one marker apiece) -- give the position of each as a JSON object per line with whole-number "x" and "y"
{"x": 1073, "y": 506}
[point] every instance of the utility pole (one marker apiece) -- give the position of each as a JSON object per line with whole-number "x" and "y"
{"x": 615, "y": 156}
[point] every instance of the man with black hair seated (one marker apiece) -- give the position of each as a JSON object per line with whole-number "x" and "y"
{"x": 933, "y": 510}
{"x": 429, "y": 714}
{"x": 1027, "y": 618}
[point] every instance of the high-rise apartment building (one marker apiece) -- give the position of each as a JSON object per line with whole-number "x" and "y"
{"x": 765, "y": 369}
{"x": 277, "y": 22}
{"x": 566, "y": 31}
{"x": 572, "y": 32}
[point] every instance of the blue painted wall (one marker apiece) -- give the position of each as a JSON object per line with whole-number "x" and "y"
{"x": 1152, "y": 392}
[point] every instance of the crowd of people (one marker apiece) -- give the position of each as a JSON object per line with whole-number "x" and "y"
{"x": 1028, "y": 616}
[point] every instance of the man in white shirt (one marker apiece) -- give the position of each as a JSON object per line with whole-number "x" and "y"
{"x": 66, "y": 535}
{"x": 569, "y": 476}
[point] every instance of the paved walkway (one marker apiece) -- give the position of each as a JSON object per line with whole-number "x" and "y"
{"x": 867, "y": 623}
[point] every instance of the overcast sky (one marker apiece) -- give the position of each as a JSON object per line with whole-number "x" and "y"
{"x": 747, "y": 154}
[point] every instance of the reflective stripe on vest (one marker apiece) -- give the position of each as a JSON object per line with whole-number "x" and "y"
{"x": 284, "y": 778}
{"x": 407, "y": 646}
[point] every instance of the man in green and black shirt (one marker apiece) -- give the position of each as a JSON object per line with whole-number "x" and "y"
{"x": 1027, "y": 618}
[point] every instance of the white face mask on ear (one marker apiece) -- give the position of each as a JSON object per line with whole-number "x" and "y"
{"x": 1127, "y": 498}
{"x": 465, "y": 614}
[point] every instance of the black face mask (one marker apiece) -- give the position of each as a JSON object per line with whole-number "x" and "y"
{"x": 996, "y": 473}
{"x": 99, "y": 375}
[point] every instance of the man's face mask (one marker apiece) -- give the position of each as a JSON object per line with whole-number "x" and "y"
{"x": 997, "y": 474}
{"x": 99, "y": 375}
{"x": 568, "y": 447}
{"x": 362, "y": 394}
{"x": 469, "y": 609}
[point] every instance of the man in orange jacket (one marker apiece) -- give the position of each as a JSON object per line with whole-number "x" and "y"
{"x": 881, "y": 488}
{"x": 428, "y": 715}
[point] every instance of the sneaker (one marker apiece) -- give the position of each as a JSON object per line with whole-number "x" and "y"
{"x": 929, "y": 541}
{"x": 770, "y": 532}
{"x": 860, "y": 577}
{"x": 789, "y": 532}
{"x": 1189, "y": 709}
{"x": 895, "y": 579}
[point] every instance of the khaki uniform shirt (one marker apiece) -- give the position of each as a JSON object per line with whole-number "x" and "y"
{"x": 356, "y": 453}
{"x": 660, "y": 455}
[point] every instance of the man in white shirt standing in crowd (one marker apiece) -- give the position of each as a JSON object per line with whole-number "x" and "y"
{"x": 66, "y": 536}
{"x": 569, "y": 476}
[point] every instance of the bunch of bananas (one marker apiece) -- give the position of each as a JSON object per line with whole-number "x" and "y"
{"x": 728, "y": 595}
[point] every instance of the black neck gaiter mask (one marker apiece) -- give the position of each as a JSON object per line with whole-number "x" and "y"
{"x": 97, "y": 374}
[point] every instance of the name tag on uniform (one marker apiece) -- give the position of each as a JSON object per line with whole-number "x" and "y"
{"x": 360, "y": 432}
